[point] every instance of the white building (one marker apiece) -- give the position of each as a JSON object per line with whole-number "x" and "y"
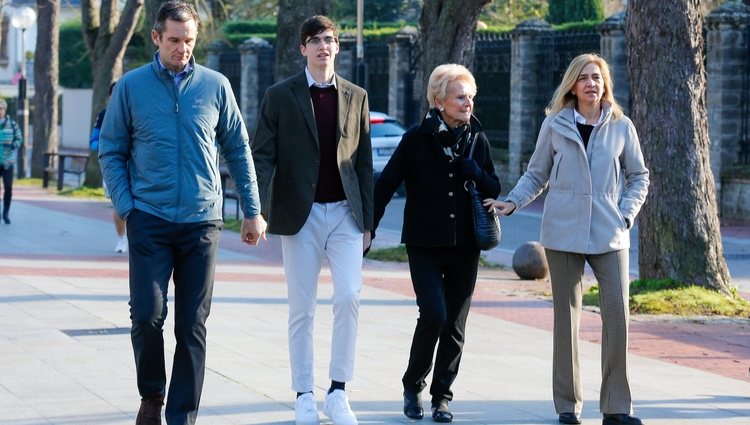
{"x": 10, "y": 45}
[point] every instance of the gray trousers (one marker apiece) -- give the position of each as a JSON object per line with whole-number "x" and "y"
{"x": 566, "y": 273}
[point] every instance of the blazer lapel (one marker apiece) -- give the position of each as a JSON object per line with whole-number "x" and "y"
{"x": 302, "y": 94}
{"x": 345, "y": 98}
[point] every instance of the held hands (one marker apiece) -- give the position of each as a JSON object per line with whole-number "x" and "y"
{"x": 499, "y": 207}
{"x": 253, "y": 230}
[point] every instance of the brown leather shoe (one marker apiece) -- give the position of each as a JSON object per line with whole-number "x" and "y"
{"x": 150, "y": 411}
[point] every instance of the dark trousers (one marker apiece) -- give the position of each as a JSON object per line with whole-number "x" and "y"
{"x": 187, "y": 252}
{"x": 7, "y": 173}
{"x": 443, "y": 280}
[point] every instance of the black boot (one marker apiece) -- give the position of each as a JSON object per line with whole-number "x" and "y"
{"x": 441, "y": 413}
{"x": 620, "y": 419}
{"x": 413, "y": 405}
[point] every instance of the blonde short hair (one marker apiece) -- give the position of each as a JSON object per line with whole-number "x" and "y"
{"x": 437, "y": 87}
{"x": 563, "y": 96}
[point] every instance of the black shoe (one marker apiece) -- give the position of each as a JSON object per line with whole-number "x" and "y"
{"x": 620, "y": 419}
{"x": 413, "y": 405}
{"x": 440, "y": 413}
{"x": 569, "y": 418}
{"x": 150, "y": 411}
{"x": 6, "y": 220}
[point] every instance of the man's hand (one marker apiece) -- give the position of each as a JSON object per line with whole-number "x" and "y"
{"x": 253, "y": 229}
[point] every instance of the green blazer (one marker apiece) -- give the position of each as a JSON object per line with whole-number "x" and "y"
{"x": 287, "y": 155}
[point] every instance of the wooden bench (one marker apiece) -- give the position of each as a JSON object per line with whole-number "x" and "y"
{"x": 64, "y": 161}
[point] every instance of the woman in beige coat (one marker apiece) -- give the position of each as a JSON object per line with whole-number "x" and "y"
{"x": 589, "y": 156}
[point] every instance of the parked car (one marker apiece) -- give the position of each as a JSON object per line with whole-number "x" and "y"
{"x": 385, "y": 134}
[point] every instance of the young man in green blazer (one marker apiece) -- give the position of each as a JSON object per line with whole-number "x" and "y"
{"x": 313, "y": 158}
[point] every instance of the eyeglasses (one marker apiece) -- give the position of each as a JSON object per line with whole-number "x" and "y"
{"x": 315, "y": 41}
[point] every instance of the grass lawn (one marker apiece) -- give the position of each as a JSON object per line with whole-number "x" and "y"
{"x": 667, "y": 296}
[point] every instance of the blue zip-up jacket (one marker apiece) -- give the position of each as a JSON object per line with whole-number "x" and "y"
{"x": 159, "y": 145}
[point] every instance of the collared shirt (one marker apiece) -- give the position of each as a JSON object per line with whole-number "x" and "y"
{"x": 176, "y": 76}
{"x": 311, "y": 81}
{"x": 580, "y": 119}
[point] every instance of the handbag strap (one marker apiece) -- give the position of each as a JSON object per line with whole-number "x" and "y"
{"x": 473, "y": 145}
{"x": 471, "y": 153}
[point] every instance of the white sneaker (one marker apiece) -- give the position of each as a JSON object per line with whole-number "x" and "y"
{"x": 122, "y": 245}
{"x": 306, "y": 410}
{"x": 337, "y": 408}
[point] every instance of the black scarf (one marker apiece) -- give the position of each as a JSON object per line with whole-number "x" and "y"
{"x": 454, "y": 142}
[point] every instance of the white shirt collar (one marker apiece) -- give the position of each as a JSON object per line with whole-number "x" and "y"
{"x": 311, "y": 81}
{"x": 580, "y": 119}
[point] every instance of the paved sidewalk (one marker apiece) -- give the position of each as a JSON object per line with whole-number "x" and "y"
{"x": 65, "y": 355}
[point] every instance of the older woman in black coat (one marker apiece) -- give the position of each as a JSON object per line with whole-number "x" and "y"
{"x": 435, "y": 160}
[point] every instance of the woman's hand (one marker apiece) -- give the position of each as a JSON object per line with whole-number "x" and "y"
{"x": 499, "y": 207}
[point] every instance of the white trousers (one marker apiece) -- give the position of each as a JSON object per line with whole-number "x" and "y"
{"x": 330, "y": 231}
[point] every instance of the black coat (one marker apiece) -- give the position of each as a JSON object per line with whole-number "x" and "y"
{"x": 437, "y": 211}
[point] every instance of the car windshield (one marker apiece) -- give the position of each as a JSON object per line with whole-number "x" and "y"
{"x": 386, "y": 129}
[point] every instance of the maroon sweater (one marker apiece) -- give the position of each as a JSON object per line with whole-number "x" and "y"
{"x": 325, "y": 105}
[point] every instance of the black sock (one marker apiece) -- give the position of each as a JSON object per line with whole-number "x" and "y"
{"x": 306, "y": 392}
{"x": 336, "y": 385}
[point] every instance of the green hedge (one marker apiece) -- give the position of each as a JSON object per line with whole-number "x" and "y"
{"x": 267, "y": 26}
{"x": 236, "y": 32}
{"x": 580, "y": 26}
{"x": 562, "y": 11}
{"x": 74, "y": 67}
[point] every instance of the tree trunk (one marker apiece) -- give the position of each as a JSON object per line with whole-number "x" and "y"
{"x": 292, "y": 13}
{"x": 106, "y": 40}
{"x": 46, "y": 61}
{"x": 448, "y": 32}
{"x": 679, "y": 227}
{"x": 2, "y": 18}
{"x": 150, "y": 8}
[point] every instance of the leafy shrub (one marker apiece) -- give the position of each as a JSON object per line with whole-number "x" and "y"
{"x": 561, "y": 11}
{"x": 74, "y": 66}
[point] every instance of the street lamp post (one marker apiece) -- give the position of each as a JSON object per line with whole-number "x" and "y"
{"x": 361, "y": 66}
{"x": 22, "y": 18}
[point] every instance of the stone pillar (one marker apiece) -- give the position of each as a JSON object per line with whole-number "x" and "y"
{"x": 215, "y": 49}
{"x": 728, "y": 85}
{"x": 252, "y": 93}
{"x": 399, "y": 72}
{"x": 531, "y": 45}
{"x": 346, "y": 60}
{"x": 615, "y": 52}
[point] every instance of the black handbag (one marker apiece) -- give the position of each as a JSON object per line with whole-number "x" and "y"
{"x": 486, "y": 224}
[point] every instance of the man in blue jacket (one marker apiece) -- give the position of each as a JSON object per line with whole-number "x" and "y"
{"x": 166, "y": 124}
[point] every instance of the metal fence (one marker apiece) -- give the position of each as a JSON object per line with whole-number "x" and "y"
{"x": 492, "y": 62}
{"x": 376, "y": 58}
{"x": 267, "y": 57}
{"x": 230, "y": 64}
{"x": 744, "y": 142}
